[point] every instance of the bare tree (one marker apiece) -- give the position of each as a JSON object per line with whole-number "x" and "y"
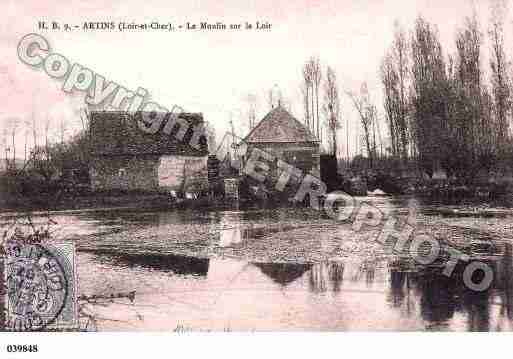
{"x": 400, "y": 53}
{"x": 270, "y": 99}
{"x": 307, "y": 92}
{"x": 34, "y": 129}
{"x": 429, "y": 96}
{"x": 389, "y": 79}
{"x": 394, "y": 76}
{"x": 332, "y": 106}
{"x": 466, "y": 120}
{"x": 47, "y": 133}
{"x": 13, "y": 124}
{"x": 380, "y": 137}
{"x": 62, "y": 130}
{"x": 501, "y": 82}
{"x": 367, "y": 113}
{"x": 316, "y": 83}
{"x": 251, "y": 100}
{"x": 26, "y": 133}
{"x": 310, "y": 88}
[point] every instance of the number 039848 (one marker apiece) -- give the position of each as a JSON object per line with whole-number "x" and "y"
{"x": 19, "y": 348}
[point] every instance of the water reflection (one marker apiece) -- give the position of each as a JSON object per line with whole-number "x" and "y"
{"x": 371, "y": 293}
{"x": 230, "y": 232}
{"x": 326, "y": 276}
{"x": 505, "y": 282}
{"x": 437, "y": 298}
{"x": 445, "y": 303}
{"x": 401, "y": 296}
{"x": 177, "y": 264}
{"x": 146, "y": 218}
{"x": 336, "y": 274}
{"x": 235, "y": 227}
{"x": 283, "y": 273}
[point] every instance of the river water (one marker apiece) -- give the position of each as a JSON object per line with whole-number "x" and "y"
{"x": 282, "y": 269}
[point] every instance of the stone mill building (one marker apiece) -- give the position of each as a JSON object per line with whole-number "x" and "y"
{"x": 126, "y": 158}
{"x": 286, "y": 138}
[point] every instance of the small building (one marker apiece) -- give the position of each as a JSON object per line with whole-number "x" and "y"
{"x": 282, "y": 135}
{"x": 124, "y": 157}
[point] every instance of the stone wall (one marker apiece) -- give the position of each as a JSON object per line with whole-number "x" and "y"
{"x": 303, "y": 156}
{"x": 173, "y": 170}
{"x": 125, "y": 173}
{"x": 148, "y": 173}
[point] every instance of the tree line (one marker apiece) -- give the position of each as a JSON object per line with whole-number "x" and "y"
{"x": 321, "y": 95}
{"x": 444, "y": 111}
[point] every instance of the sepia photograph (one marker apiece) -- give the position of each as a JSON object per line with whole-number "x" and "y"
{"x": 253, "y": 167}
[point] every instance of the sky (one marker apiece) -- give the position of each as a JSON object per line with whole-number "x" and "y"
{"x": 211, "y": 71}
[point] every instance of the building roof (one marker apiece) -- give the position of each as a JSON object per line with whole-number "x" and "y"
{"x": 279, "y": 126}
{"x": 115, "y": 133}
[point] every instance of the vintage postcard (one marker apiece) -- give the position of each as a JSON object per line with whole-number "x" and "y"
{"x": 263, "y": 166}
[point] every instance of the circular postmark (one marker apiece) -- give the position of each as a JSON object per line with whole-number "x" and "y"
{"x": 37, "y": 287}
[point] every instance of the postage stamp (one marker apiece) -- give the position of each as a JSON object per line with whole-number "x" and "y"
{"x": 41, "y": 286}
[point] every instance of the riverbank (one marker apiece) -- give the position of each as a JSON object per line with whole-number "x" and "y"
{"x": 440, "y": 192}
{"x": 93, "y": 201}
{"x": 477, "y": 191}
